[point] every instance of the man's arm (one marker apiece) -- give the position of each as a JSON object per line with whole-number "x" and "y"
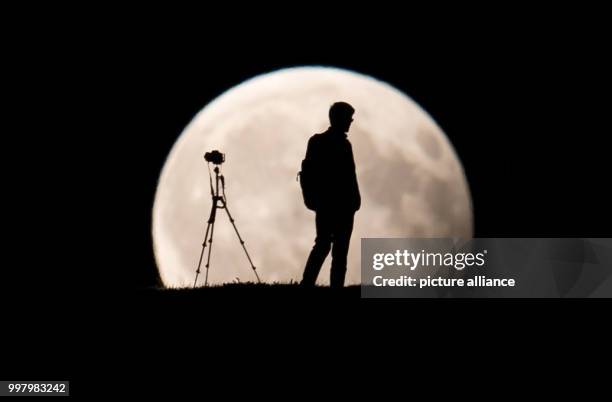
{"x": 355, "y": 183}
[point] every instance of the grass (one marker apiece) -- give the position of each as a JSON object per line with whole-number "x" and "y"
{"x": 263, "y": 290}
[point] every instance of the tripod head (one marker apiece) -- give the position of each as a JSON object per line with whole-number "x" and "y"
{"x": 214, "y": 157}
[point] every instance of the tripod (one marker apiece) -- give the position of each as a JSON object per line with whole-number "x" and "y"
{"x": 218, "y": 201}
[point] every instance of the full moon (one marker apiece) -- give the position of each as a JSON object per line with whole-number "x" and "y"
{"x": 411, "y": 181}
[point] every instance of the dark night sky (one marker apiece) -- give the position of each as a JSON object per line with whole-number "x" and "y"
{"x": 520, "y": 100}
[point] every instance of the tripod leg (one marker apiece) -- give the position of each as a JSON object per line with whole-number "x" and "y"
{"x": 202, "y": 254}
{"x": 240, "y": 239}
{"x": 209, "y": 229}
{"x": 212, "y": 231}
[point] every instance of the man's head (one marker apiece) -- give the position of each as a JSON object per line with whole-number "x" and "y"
{"x": 341, "y": 116}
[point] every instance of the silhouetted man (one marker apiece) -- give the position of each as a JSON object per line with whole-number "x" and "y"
{"x": 337, "y": 195}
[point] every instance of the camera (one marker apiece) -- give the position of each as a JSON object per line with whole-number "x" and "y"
{"x": 214, "y": 157}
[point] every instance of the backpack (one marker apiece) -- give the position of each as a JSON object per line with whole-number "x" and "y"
{"x": 308, "y": 183}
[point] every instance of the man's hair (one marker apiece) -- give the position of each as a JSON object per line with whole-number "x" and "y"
{"x": 340, "y": 111}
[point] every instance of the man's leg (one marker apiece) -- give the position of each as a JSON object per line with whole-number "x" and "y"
{"x": 343, "y": 229}
{"x": 319, "y": 250}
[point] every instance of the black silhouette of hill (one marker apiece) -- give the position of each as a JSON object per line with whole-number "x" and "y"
{"x": 258, "y": 290}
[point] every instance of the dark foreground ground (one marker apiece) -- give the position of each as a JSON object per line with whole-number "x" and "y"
{"x": 255, "y": 290}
